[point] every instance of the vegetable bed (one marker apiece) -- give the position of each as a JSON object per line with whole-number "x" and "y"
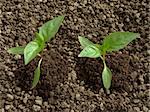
{"x": 69, "y": 83}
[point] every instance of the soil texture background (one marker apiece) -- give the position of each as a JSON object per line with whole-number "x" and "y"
{"x": 69, "y": 83}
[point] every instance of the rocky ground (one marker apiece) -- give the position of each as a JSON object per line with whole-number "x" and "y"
{"x": 69, "y": 83}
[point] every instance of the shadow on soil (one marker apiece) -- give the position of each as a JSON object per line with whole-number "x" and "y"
{"x": 89, "y": 70}
{"x": 53, "y": 72}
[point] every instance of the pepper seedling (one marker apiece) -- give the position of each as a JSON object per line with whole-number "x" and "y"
{"x": 113, "y": 42}
{"x": 46, "y": 32}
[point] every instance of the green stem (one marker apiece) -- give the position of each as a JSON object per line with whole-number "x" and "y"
{"x": 103, "y": 59}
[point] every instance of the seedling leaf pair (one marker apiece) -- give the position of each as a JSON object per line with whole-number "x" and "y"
{"x": 46, "y": 32}
{"x": 113, "y": 42}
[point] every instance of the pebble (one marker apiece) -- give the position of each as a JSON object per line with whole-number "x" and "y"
{"x": 2, "y": 110}
{"x": 11, "y": 97}
{"x": 21, "y": 107}
{"x": 66, "y": 110}
{"x": 137, "y": 109}
{"x": 102, "y": 106}
{"x": 72, "y": 111}
{"x": 148, "y": 51}
{"x": 25, "y": 99}
{"x": 40, "y": 0}
{"x": 36, "y": 108}
{"x": 145, "y": 109}
{"x": 141, "y": 79}
{"x": 127, "y": 19}
{"x": 39, "y": 101}
{"x": 64, "y": 105}
{"x": 136, "y": 100}
{"x": 7, "y": 107}
{"x": 71, "y": 8}
{"x": 78, "y": 96}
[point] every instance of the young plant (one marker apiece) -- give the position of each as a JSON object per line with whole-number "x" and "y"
{"x": 46, "y": 32}
{"x": 113, "y": 42}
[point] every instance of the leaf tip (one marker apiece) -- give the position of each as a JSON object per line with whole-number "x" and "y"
{"x": 79, "y": 55}
{"x": 25, "y": 62}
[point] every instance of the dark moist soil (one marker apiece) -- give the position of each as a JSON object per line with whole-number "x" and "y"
{"x": 53, "y": 72}
{"x": 89, "y": 71}
{"x": 69, "y": 83}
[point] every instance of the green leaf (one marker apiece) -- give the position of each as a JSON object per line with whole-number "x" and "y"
{"x": 118, "y": 40}
{"x": 31, "y": 51}
{"x": 50, "y": 28}
{"x": 106, "y": 77}
{"x": 90, "y": 51}
{"x": 16, "y": 50}
{"x": 36, "y": 75}
{"x": 84, "y": 41}
{"x": 39, "y": 38}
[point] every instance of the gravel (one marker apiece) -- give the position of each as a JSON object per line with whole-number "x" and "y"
{"x": 92, "y": 18}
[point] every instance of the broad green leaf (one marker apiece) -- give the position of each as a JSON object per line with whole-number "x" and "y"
{"x": 50, "y": 28}
{"x": 16, "y": 50}
{"x": 90, "y": 51}
{"x": 39, "y": 37}
{"x": 84, "y": 41}
{"x": 40, "y": 40}
{"x": 118, "y": 40}
{"x": 106, "y": 77}
{"x": 31, "y": 51}
{"x": 36, "y": 75}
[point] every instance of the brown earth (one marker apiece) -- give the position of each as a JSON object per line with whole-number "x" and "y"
{"x": 69, "y": 83}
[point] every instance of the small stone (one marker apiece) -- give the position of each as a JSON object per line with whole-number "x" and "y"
{"x": 38, "y": 98}
{"x": 39, "y": 102}
{"x": 82, "y": 88}
{"x": 71, "y": 8}
{"x": 137, "y": 109}
{"x": 11, "y": 74}
{"x": 64, "y": 105}
{"x": 66, "y": 110}
{"x": 11, "y": 97}
{"x": 2, "y": 110}
{"x": 127, "y": 19}
{"x": 78, "y": 96}
{"x": 136, "y": 100}
{"x": 52, "y": 93}
{"x": 36, "y": 108}
{"x": 72, "y": 111}
{"x": 25, "y": 100}
{"x": 45, "y": 104}
{"x": 18, "y": 89}
{"x": 7, "y": 107}
{"x": 148, "y": 51}
{"x": 21, "y": 107}
{"x": 134, "y": 74}
{"x": 145, "y": 109}
{"x": 40, "y": 0}
{"x": 141, "y": 79}
{"x": 102, "y": 106}
{"x": 17, "y": 57}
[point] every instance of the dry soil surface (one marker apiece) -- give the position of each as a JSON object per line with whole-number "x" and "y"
{"x": 69, "y": 83}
